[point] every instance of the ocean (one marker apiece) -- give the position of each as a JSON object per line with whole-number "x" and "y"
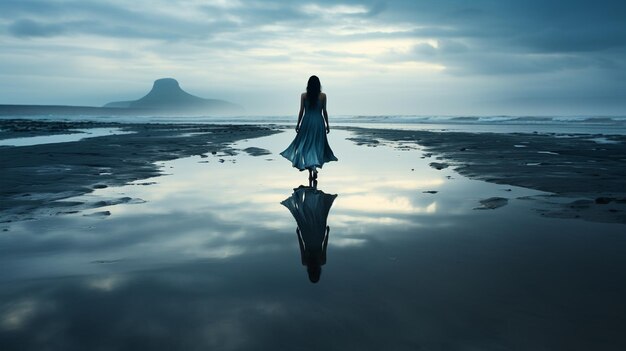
{"x": 610, "y": 125}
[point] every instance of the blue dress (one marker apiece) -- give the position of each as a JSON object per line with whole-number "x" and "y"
{"x": 310, "y": 147}
{"x": 309, "y": 207}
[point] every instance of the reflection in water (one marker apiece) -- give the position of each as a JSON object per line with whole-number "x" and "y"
{"x": 310, "y": 207}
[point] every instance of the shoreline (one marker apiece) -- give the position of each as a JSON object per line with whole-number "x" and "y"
{"x": 37, "y": 178}
{"x": 584, "y": 177}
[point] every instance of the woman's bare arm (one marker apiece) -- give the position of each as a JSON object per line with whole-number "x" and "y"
{"x": 325, "y": 114}
{"x": 301, "y": 113}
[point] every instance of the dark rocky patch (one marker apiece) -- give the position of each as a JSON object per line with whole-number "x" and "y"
{"x": 257, "y": 151}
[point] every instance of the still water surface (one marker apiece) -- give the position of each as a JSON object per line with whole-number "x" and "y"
{"x": 213, "y": 259}
{"x": 77, "y": 135}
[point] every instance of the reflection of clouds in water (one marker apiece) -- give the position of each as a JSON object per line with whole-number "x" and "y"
{"x": 184, "y": 308}
{"x": 251, "y": 186}
{"x": 225, "y": 210}
{"x": 215, "y": 314}
{"x": 347, "y": 242}
{"x": 221, "y": 252}
{"x": 105, "y": 283}
{"x": 218, "y": 268}
{"x": 226, "y": 189}
{"x": 17, "y": 314}
{"x": 379, "y": 204}
{"x": 351, "y": 185}
{"x": 137, "y": 242}
{"x": 348, "y": 220}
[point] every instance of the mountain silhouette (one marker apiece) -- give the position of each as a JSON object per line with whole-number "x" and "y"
{"x": 167, "y": 96}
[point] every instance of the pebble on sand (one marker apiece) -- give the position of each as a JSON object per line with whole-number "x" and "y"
{"x": 492, "y": 203}
{"x": 439, "y": 165}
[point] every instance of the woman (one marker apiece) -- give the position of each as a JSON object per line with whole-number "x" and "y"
{"x": 310, "y": 150}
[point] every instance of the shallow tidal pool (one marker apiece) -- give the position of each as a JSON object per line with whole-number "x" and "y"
{"x": 208, "y": 256}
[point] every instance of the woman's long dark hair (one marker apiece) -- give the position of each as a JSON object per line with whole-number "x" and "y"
{"x": 313, "y": 89}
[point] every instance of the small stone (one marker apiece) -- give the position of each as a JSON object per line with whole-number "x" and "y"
{"x": 100, "y": 214}
{"x": 256, "y": 151}
{"x": 439, "y": 165}
{"x": 603, "y": 200}
{"x": 492, "y": 203}
{"x": 580, "y": 204}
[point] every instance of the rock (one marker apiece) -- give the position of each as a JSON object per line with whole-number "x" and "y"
{"x": 100, "y": 214}
{"x": 580, "y": 204}
{"x": 113, "y": 202}
{"x": 257, "y": 151}
{"x": 604, "y": 200}
{"x": 492, "y": 203}
{"x": 439, "y": 165}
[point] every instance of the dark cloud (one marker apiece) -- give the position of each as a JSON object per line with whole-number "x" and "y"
{"x": 479, "y": 38}
{"x": 30, "y": 28}
{"x": 496, "y": 38}
{"x": 530, "y": 26}
{"x": 103, "y": 19}
{"x": 539, "y": 26}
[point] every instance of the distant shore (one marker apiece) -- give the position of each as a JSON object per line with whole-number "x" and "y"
{"x": 62, "y": 110}
{"x": 583, "y": 175}
{"x": 92, "y": 111}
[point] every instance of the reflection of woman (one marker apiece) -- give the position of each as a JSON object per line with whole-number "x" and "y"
{"x": 310, "y": 208}
{"x": 310, "y": 150}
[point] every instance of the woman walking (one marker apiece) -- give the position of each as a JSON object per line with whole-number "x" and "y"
{"x": 310, "y": 150}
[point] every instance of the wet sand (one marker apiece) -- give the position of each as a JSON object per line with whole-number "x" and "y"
{"x": 202, "y": 255}
{"x": 584, "y": 173}
{"x": 36, "y": 179}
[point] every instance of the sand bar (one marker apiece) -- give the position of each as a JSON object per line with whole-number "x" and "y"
{"x": 585, "y": 173}
{"x": 36, "y": 177}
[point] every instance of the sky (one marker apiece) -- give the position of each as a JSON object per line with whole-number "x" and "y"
{"x": 445, "y": 57}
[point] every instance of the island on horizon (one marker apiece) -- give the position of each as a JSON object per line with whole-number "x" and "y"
{"x": 166, "y": 98}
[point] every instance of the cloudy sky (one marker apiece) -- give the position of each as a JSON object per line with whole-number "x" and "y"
{"x": 445, "y": 57}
